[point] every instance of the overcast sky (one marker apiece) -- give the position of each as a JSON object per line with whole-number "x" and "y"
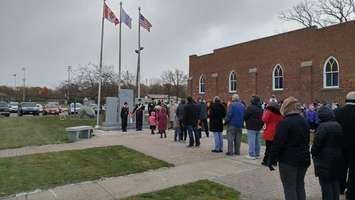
{"x": 46, "y": 36}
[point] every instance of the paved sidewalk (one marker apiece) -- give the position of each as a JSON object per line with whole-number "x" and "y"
{"x": 191, "y": 164}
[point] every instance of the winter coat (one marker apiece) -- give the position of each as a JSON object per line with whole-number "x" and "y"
{"x": 190, "y": 114}
{"x": 271, "y": 118}
{"x": 152, "y": 119}
{"x": 345, "y": 116}
{"x": 253, "y": 117}
{"x": 203, "y": 111}
{"x": 312, "y": 116}
{"x": 326, "y": 148}
{"x": 291, "y": 142}
{"x": 180, "y": 111}
{"x": 235, "y": 115}
{"x": 172, "y": 112}
{"x": 162, "y": 119}
{"x": 216, "y": 115}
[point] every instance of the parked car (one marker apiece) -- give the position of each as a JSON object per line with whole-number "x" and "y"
{"x": 13, "y": 107}
{"x": 40, "y": 107}
{"x": 4, "y": 109}
{"x": 74, "y": 108}
{"x": 26, "y": 108}
{"x": 51, "y": 109}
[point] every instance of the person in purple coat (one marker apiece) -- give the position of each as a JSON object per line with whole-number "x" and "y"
{"x": 312, "y": 117}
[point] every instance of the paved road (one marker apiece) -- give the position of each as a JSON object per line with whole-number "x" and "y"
{"x": 247, "y": 176}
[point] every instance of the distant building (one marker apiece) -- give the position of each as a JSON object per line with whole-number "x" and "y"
{"x": 311, "y": 64}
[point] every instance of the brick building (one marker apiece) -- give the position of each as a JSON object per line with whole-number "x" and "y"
{"x": 310, "y": 64}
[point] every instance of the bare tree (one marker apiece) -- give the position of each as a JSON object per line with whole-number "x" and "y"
{"x": 176, "y": 78}
{"x": 320, "y": 13}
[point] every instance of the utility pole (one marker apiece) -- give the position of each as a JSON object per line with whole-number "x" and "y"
{"x": 15, "y": 86}
{"x": 138, "y": 51}
{"x": 24, "y": 84}
{"x": 68, "y": 86}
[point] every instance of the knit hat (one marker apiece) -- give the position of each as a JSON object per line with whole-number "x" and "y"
{"x": 350, "y": 98}
{"x": 290, "y": 105}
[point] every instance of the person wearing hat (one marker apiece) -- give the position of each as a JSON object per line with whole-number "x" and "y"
{"x": 271, "y": 118}
{"x": 290, "y": 149}
{"x": 254, "y": 123}
{"x": 327, "y": 154}
{"x": 345, "y": 116}
{"x": 124, "y": 116}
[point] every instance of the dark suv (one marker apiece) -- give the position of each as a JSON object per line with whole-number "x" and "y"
{"x": 4, "y": 109}
{"x": 28, "y": 108}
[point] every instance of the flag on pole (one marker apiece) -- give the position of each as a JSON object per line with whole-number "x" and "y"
{"x": 125, "y": 18}
{"x": 110, "y": 16}
{"x": 144, "y": 22}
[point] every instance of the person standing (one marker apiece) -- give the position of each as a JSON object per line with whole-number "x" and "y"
{"x": 124, "y": 116}
{"x": 235, "y": 120}
{"x": 327, "y": 153}
{"x": 271, "y": 118}
{"x": 190, "y": 120}
{"x": 180, "y": 116}
{"x": 172, "y": 113}
{"x": 254, "y": 123}
{"x": 152, "y": 122}
{"x": 139, "y": 110}
{"x": 217, "y": 113}
{"x": 312, "y": 117}
{"x": 162, "y": 121}
{"x": 345, "y": 116}
{"x": 203, "y": 116}
{"x": 290, "y": 150}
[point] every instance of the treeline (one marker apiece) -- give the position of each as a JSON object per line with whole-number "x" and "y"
{"x": 84, "y": 83}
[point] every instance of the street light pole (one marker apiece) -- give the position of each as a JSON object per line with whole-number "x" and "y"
{"x": 138, "y": 51}
{"x": 24, "y": 84}
{"x": 68, "y": 86}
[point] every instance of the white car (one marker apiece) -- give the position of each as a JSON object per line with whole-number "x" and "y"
{"x": 73, "y": 109}
{"x": 13, "y": 107}
{"x": 40, "y": 107}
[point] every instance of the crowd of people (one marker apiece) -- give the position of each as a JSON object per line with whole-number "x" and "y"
{"x": 286, "y": 127}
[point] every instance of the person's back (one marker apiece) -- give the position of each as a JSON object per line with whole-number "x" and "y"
{"x": 190, "y": 114}
{"x": 235, "y": 115}
{"x": 327, "y": 153}
{"x": 217, "y": 113}
{"x": 253, "y": 116}
{"x": 345, "y": 116}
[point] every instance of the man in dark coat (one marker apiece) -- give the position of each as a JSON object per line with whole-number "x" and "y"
{"x": 345, "y": 116}
{"x": 124, "y": 116}
{"x": 190, "y": 119}
{"x": 203, "y": 115}
{"x": 217, "y": 114}
{"x": 139, "y": 110}
{"x": 253, "y": 120}
{"x": 151, "y": 107}
{"x": 180, "y": 117}
{"x": 327, "y": 153}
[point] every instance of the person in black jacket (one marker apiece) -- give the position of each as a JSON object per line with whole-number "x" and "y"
{"x": 190, "y": 120}
{"x": 327, "y": 153}
{"x": 290, "y": 150}
{"x": 253, "y": 119}
{"x": 217, "y": 113}
{"x": 180, "y": 116}
{"x": 124, "y": 116}
{"x": 345, "y": 116}
{"x": 139, "y": 111}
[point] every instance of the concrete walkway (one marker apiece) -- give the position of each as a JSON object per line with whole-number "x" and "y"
{"x": 191, "y": 164}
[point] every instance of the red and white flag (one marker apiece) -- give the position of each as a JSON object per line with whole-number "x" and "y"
{"x": 109, "y": 15}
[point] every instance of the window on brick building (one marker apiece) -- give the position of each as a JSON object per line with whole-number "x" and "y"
{"x": 277, "y": 78}
{"x": 232, "y": 82}
{"x": 331, "y": 73}
{"x": 202, "y": 85}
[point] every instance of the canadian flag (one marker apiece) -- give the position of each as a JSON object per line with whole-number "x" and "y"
{"x": 109, "y": 15}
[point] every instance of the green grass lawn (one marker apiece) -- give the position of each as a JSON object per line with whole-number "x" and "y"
{"x": 200, "y": 190}
{"x": 27, "y": 173}
{"x": 27, "y": 130}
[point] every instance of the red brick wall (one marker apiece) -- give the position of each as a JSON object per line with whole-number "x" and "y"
{"x": 289, "y": 50}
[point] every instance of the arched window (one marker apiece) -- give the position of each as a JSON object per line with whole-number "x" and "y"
{"x": 331, "y": 73}
{"x": 277, "y": 78}
{"x": 232, "y": 82}
{"x": 202, "y": 85}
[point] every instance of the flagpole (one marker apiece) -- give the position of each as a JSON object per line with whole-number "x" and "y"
{"x": 139, "y": 56}
{"x": 100, "y": 68}
{"x": 120, "y": 52}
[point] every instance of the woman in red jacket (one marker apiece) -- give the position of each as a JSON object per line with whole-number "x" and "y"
{"x": 271, "y": 118}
